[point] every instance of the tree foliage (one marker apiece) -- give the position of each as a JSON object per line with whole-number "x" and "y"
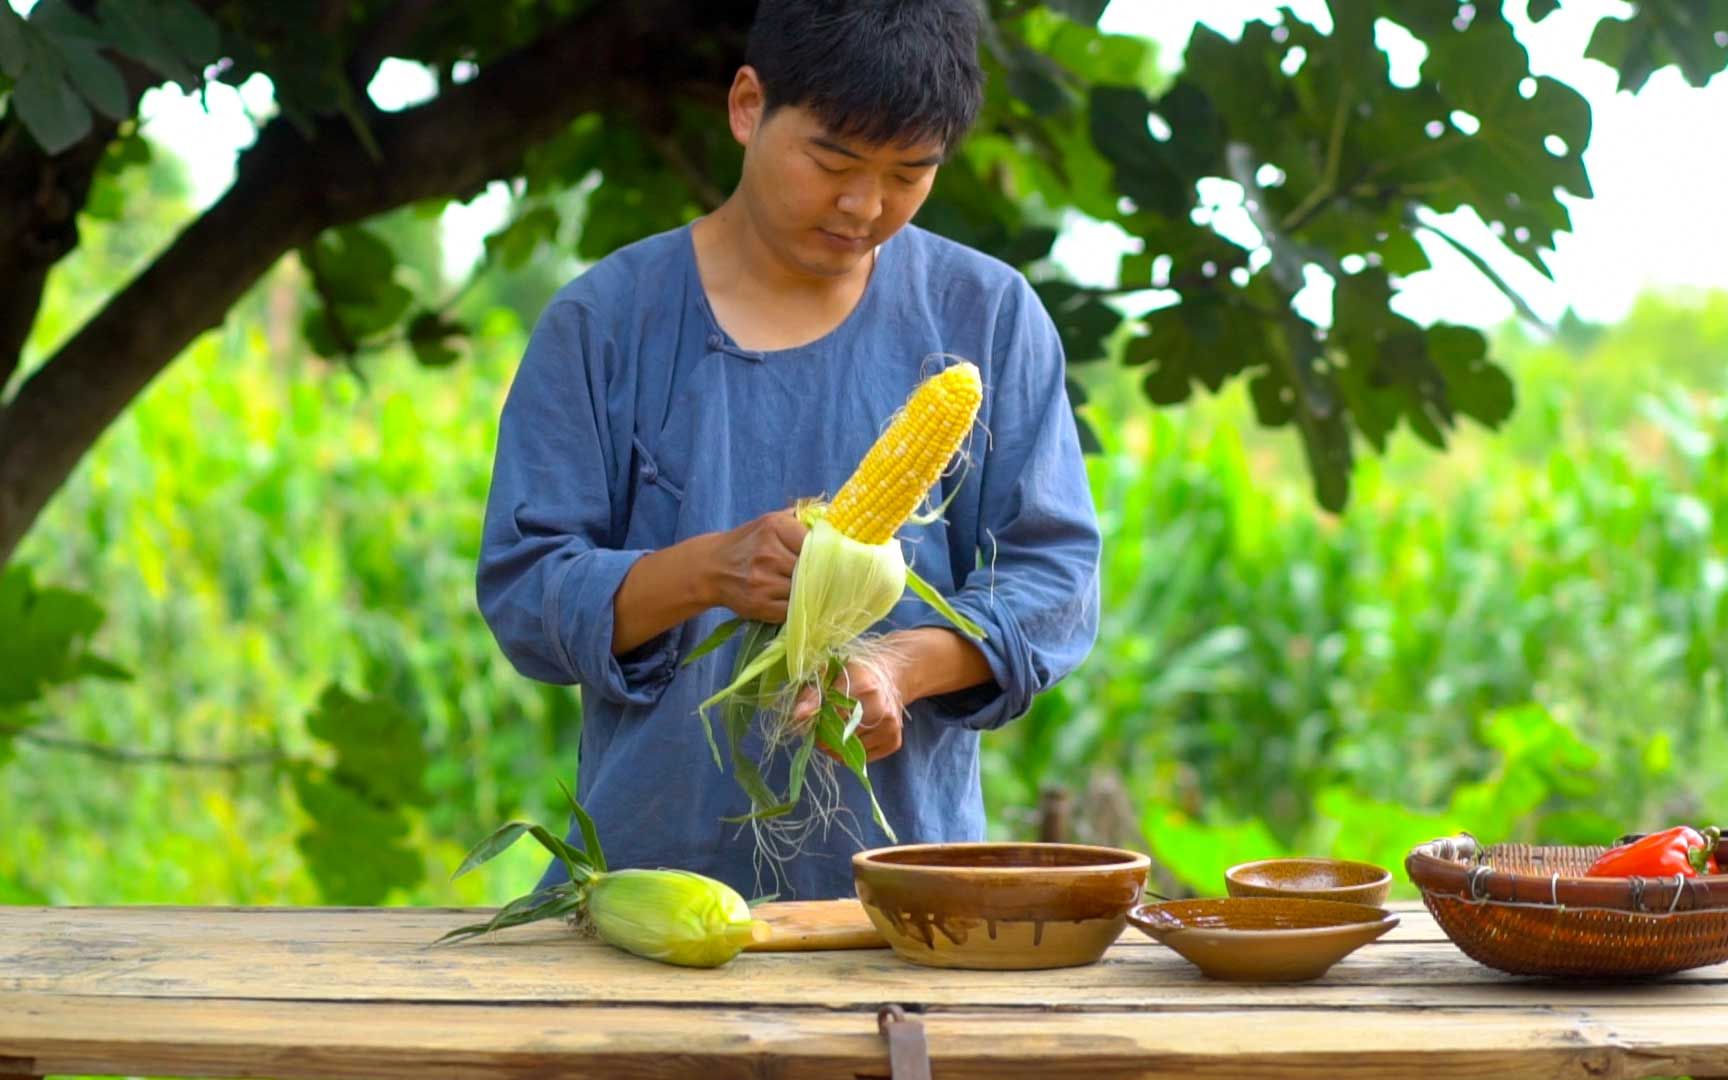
{"x": 1338, "y": 168}
{"x": 606, "y": 119}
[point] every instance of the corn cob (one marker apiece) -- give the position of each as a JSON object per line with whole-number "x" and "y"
{"x": 906, "y": 459}
{"x": 850, "y": 574}
{"x": 673, "y": 916}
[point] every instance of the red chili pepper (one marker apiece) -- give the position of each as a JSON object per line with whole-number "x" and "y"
{"x": 1681, "y": 850}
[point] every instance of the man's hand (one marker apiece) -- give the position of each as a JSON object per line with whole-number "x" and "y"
{"x": 752, "y": 565}
{"x": 917, "y": 663}
{"x": 874, "y": 686}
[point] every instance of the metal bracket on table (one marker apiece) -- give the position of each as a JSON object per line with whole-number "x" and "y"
{"x": 908, "y": 1053}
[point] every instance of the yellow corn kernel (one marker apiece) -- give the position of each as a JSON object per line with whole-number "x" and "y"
{"x": 908, "y": 458}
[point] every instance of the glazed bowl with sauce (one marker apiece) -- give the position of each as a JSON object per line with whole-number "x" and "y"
{"x": 1002, "y": 906}
{"x": 1311, "y": 879}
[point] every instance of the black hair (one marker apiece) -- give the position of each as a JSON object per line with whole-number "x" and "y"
{"x": 885, "y": 72}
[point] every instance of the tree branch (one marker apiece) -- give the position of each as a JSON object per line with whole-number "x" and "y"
{"x": 40, "y": 196}
{"x": 699, "y": 183}
{"x": 289, "y": 189}
{"x": 123, "y": 756}
{"x": 392, "y": 30}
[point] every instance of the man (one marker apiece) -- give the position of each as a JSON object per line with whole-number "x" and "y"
{"x": 677, "y": 398}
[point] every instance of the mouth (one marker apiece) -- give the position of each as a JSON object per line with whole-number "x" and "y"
{"x": 844, "y": 241}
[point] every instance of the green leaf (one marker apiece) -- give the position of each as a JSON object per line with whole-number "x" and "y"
{"x": 832, "y": 733}
{"x": 52, "y": 111}
{"x": 579, "y": 864}
{"x": 853, "y": 711}
{"x": 1507, "y": 169}
{"x": 550, "y": 903}
{"x": 1027, "y": 244}
{"x": 1688, "y": 34}
{"x": 1158, "y": 176}
{"x": 800, "y": 762}
{"x": 1202, "y": 339}
{"x": 1389, "y": 373}
{"x": 1401, "y": 254}
{"x": 153, "y": 33}
{"x": 758, "y": 636}
{"x": 356, "y": 850}
{"x": 720, "y": 636}
{"x": 590, "y": 835}
{"x": 1081, "y": 11}
{"x": 99, "y": 82}
{"x": 1541, "y": 9}
{"x": 1089, "y": 55}
{"x": 188, "y": 30}
{"x": 1082, "y": 320}
{"x": 14, "y": 49}
{"x": 353, "y": 271}
{"x": 429, "y": 335}
{"x": 95, "y": 667}
{"x": 738, "y": 712}
{"x": 47, "y": 638}
{"x": 929, "y": 594}
{"x": 517, "y": 242}
{"x": 500, "y": 840}
{"x": 379, "y": 747}
{"x": 352, "y": 260}
{"x": 1036, "y": 80}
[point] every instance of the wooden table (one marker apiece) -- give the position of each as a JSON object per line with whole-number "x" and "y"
{"x": 336, "y": 992}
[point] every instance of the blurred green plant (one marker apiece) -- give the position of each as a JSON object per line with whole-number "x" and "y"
{"x": 1520, "y": 639}
{"x": 1297, "y": 124}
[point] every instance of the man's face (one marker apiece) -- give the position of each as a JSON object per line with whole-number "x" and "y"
{"x": 822, "y": 202}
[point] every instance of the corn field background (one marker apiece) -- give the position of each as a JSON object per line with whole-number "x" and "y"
{"x": 1522, "y": 637}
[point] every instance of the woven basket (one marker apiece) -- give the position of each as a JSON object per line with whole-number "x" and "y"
{"x": 1530, "y": 911}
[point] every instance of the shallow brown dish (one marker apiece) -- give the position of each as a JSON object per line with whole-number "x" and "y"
{"x": 999, "y": 905}
{"x": 1262, "y": 938}
{"x": 1313, "y": 878}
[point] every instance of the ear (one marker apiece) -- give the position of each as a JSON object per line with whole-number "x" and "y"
{"x": 745, "y": 103}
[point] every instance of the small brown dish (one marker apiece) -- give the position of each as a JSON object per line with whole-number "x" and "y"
{"x": 1262, "y": 938}
{"x": 1312, "y": 878}
{"x": 1001, "y": 906}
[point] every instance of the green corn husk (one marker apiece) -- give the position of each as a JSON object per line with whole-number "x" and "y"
{"x": 840, "y": 588}
{"x": 673, "y": 916}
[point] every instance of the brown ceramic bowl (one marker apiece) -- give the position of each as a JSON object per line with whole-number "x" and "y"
{"x": 999, "y": 905}
{"x": 1313, "y": 878}
{"x": 1262, "y": 938}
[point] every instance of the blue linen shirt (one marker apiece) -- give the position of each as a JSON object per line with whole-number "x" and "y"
{"x": 635, "y": 422}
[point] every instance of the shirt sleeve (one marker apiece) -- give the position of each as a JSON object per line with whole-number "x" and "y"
{"x": 549, "y": 567}
{"x": 1036, "y": 592}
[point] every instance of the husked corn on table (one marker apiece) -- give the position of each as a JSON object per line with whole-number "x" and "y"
{"x": 336, "y": 992}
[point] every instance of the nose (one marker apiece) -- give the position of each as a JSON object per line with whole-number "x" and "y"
{"x": 861, "y": 200}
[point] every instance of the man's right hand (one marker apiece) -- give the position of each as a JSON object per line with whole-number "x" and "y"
{"x": 752, "y": 565}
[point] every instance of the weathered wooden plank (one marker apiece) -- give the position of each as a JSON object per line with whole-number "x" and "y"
{"x": 132, "y": 953}
{"x": 816, "y": 925}
{"x": 314, "y": 1041}
{"x": 402, "y": 926}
